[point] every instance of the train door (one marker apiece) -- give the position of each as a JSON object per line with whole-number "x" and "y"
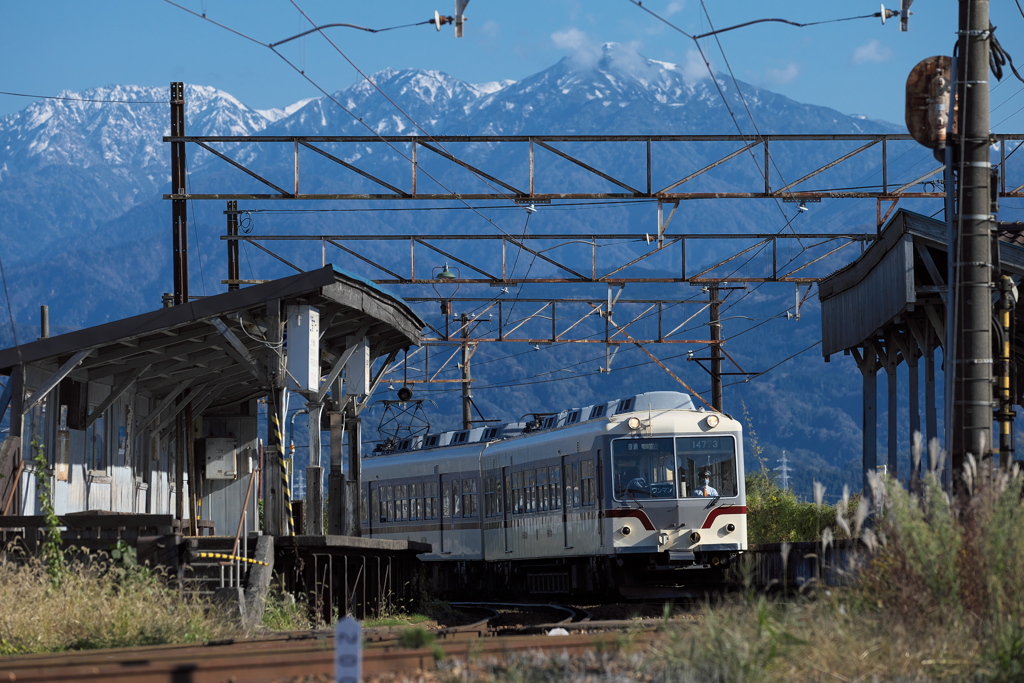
{"x": 599, "y": 497}
{"x": 566, "y": 494}
{"x": 372, "y": 514}
{"x": 451, "y": 511}
{"x": 506, "y": 514}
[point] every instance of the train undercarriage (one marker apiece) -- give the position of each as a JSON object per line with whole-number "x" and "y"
{"x": 626, "y": 577}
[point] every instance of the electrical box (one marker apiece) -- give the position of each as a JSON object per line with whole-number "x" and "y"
{"x": 357, "y": 370}
{"x": 303, "y": 348}
{"x": 221, "y": 458}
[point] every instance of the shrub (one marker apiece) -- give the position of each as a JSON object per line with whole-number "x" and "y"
{"x": 955, "y": 562}
{"x": 775, "y": 515}
{"x": 97, "y": 604}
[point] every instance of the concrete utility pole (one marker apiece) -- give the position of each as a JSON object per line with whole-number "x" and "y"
{"x": 179, "y": 207}
{"x": 467, "y": 380}
{"x": 716, "y": 347}
{"x": 972, "y": 391}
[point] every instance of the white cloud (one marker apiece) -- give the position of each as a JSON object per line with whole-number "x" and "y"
{"x": 490, "y": 29}
{"x": 694, "y": 68}
{"x": 873, "y": 51}
{"x": 674, "y": 7}
{"x": 581, "y": 47}
{"x": 570, "y": 39}
{"x": 786, "y": 74}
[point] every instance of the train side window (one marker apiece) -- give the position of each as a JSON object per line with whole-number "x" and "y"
{"x": 446, "y": 499}
{"x": 402, "y": 502}
{"x": 510, "y": 502}
{"x": 488, "y": 496}
{"x": 389, "y": 502}
{"x": 576, "y": 484}
{"x": 543, "y": 497}
{"x": 415, "y": 501}
{"x": 555, "y": 479}
{"x": 499, "y": 497}
{"x": 531, "y": 490}
{"x": 469, "y": 498}
{"x": 376, "y": 505}
{"x": 456, "y": 498}
{"x": 430, "y": 500}
{"x": 517, "y": 493}
{"x": 587, "y": 475}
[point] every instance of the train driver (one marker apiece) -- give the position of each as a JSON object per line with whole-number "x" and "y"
{"x": 707, "y": 490}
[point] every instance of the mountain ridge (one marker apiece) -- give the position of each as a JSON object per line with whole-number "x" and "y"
{"x": 87, "y": 230}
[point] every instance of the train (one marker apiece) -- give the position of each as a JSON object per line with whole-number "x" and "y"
{"x": 638, "y": 497}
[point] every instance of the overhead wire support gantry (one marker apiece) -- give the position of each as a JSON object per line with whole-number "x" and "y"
{"x": 528, "y": 171}
{"x": 402, "y": 180}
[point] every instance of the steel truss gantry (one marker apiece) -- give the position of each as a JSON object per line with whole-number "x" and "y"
{"x": 655, "y": 175}
{"x": 400, "y": 168}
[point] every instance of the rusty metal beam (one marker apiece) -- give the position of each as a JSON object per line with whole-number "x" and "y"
{"x": 510, "y": 188}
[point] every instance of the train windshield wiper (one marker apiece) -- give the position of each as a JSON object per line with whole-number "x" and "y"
{"x": 634, "y": 485}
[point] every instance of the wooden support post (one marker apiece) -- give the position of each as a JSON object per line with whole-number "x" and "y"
{"x": 891, "y": 367}
{"x": 867, "y": 362}
{"x": 314, "y": 475}
{"x": 353, "y": 431}
{"x": 336, "y": 479}
{"x": 915, "y": 414}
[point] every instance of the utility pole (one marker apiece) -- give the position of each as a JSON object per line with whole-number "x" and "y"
{"x": 467, "y": 396}
{"x": 179, "y": 207}
{"x": 233, "y": 275}
{"x": 973, "y": 372}
{"x": 716, "y": 347}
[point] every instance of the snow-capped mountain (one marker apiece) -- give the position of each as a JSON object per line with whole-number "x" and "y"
{"x": 617, "y": 89}
{"x": 67, "y": 166}
{"x": 86, "y": 230}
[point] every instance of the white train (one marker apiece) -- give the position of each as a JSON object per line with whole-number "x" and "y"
{"x": 609, "y": 497}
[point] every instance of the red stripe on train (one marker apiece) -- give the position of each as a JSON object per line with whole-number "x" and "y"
{"x": 724, "y": 510}
{"x": 639, "y": 514}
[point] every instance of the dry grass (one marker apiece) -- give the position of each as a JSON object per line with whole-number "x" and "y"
{"x": 940, "y": 599}
{"x": 97, "y": 605}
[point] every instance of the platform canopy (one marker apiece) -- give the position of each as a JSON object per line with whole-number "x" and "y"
{"x": 218, "y": 345}
{"x": 900, "y": 280}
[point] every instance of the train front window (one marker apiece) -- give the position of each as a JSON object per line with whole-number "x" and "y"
{"x": 707, "y": 459}
{"x": 643, "y": 468}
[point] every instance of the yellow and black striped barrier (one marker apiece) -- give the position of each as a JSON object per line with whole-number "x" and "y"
{"x": 286, "y": 489}
{"x": 226, "y": 556}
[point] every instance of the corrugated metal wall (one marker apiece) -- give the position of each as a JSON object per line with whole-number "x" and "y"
{"x": 854, "y": 314}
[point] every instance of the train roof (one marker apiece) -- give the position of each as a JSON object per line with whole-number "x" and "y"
{"x": 651, "y": 400}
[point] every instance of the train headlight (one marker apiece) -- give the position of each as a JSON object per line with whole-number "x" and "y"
{"x": 711, "y": 420}
{"x": 626, "y": 531}
{"x": 633, "y": 423}
{"x": 730, "y": 528}
{"x": 694, "y": 537}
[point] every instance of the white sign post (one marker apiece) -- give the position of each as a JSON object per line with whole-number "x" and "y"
{"x": 348, "y": 651}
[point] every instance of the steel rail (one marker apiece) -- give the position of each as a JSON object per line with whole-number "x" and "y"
{"x": 261, "y": 661}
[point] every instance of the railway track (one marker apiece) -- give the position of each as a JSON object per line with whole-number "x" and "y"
{"x": 500, "y": 631}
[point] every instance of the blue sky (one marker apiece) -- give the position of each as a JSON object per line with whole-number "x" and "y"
{"x": 857, "y": 67}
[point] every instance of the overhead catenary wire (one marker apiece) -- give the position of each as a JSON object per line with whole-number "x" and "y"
{"x": 370, "y": 80}
{"x": 334, "y": 100}
{"x": 80, "y": 99}
{"x": 424, "y": 131}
